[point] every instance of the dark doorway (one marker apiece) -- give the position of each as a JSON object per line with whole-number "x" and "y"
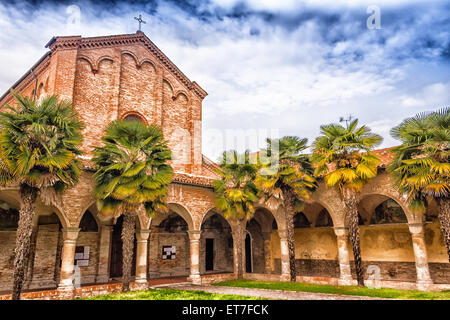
{"x": 209, "y": 255}
{"x": 248, "y": 254}
{"x": 116, "y": 251}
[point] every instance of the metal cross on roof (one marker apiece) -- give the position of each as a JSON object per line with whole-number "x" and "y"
{"x": 140, "y": 20}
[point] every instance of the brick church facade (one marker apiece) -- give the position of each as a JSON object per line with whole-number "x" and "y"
{"x": 128, "y": 77}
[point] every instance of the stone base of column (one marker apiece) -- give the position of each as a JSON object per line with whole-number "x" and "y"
{"x": 424, "y": 285}
{"x": 285, "y": 277}
{"x": 65, "y": 287}
{"x": 139, "y": 284}
{"x": 195, "y": 279}
{"x": 345, "y": 281}
{"x": 65, "y": 292}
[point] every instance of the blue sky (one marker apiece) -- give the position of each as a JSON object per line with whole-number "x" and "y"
{"x": 287, "y": 66}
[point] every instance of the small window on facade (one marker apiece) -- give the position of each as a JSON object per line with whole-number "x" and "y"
{"x": 133, "y": 117}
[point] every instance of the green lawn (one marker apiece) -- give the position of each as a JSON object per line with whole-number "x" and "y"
{"x": 170, "y": 294}
{"x": 347, "y": 290}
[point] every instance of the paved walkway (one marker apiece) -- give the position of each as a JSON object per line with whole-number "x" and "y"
{"x": 266, "y": 293}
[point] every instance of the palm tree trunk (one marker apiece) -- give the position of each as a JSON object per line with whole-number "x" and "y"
{"x": 291, "y": 246}
{"x": 28, "y": 196}
{"x": 352, "y": 220}
{"x": 290, "y": 211}
{"x": 128, "y": 229}
{"x": 444, "y": 219}
{"x": 239, "y": 250}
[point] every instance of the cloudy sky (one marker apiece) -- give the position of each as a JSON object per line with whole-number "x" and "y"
{"x": 284, "y": 67}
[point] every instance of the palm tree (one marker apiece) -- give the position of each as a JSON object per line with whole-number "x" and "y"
{"x": 39, "y": 143}
{"x": 236, "y": 194}
{"x": 287, "y": 183}
{"x": 132, "y": 174}
{"x": 421, "y": 166}
{"x": 342, "y": 155}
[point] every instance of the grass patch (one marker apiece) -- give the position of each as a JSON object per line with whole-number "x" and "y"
{"x": 170, "y": 294}
{"x": 346, "y": 290}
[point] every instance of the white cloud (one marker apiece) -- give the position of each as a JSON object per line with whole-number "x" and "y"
{"x": 432, "y": 96}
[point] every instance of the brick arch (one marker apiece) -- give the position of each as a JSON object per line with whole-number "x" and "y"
{"x": 148, "y": 61}
{"x": 61, "y": 216}
{"x": 136, "y": 60}
{"x": 410, "y": 216}
{"x": 382, "y": 185}
{"x": 167, "y": 82}
{"x": 94, "y": 213}
{"x": 10, "y": 196}
{"x": 209, "y": 213}
{"x": 142, "y": 220}
{"x": 134, "y": 113}
{"x": 178, "y": 209}
{"x": 330, "y": 200}
{"x": 91, "y": 63}
{"x": 103, "y": 58}
{"x": 312, "y": 209}
{"x": 181, "y": 93}
{"x": 266, "y": 222}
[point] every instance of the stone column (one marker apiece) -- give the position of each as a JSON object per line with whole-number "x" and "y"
{"x": 345, "y": 274}
{"x": 420, "y": 255}
{"x": 141, "y": 256}
{"x": 267, "y": 253}
{"x": 70, "y": 236}
{"x": 194, "y": 244}
{"x": 285, "y": 270}
{"x": 103, "y": 254}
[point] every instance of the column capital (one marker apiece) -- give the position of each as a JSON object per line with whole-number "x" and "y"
{"x": 341, "y": 231}
{"x": 142, "y": 234}
{"x": 416, "y": 228}
{"x": 194, "y": 234}
{"x": 70, "y": 233}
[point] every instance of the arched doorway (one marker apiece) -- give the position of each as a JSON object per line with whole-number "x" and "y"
{"x": 216, "y": 245}
{"x": 248, "y": 253}
{"x": 262, "y": 243}
{"x": 169, "y": 246}
{"x": 116, "y": 251}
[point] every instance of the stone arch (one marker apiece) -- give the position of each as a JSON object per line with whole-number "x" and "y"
{"x": 9, "y": 211}
{"x": 269, "y": 216}
{"x": 91, "y": 207}
{"x": 323, "y": 219}
{"x": 178, "y": 209}
{"x": 88, "y": 222}
{"x": 301, "y": 220}
{"x": 330, "y": 200}
{"x": 382, "y": 195}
